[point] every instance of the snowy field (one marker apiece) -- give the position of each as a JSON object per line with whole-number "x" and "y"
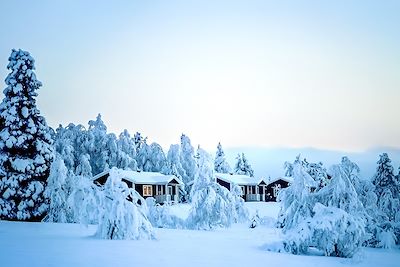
{"x": 48, "y": 244}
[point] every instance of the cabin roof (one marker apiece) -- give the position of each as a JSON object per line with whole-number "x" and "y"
{"x": 286, "y": 179}
{"x": 238, "y": 179}
{"x": 137, "y": 177}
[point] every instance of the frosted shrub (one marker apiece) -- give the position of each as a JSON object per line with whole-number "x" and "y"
{"x": 122, "y": 218}
{"x": 160, "y": 215}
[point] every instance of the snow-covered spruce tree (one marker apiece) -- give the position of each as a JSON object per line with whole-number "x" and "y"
{"x": 57, "y": 193}
{"x": 121, "y": 218}
{"x": 212, "y": 205}
{"x": 187, "y": 159}
{"x": 387, "y": 188}
{"x": 25, "y": 144}
{"x": 220, "y": 163}
{"x": 242, "y": 166}
{"x": 318, "y": 173}
{"x": 384, "y": 177}
{"x": 330, "y": 219}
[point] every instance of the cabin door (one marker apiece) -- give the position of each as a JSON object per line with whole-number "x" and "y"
{"x": 170, "y": 190}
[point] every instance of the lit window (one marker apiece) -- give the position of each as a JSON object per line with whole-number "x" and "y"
{"x": 147, "y": 190}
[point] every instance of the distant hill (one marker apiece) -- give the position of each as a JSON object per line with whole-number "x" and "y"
{"x": 269, "y": 161}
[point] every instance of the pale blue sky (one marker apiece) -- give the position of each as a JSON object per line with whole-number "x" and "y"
{"x": 322, "y": 74}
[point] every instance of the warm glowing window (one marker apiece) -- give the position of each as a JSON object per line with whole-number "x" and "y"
{"x": 147, "y": 190}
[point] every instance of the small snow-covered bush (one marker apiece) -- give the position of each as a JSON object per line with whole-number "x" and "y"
{"x": 122, "y": 218}
{"x": 160, "y": 215}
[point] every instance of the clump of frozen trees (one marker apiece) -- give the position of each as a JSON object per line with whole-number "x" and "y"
{"x": 343, "y": 213}
{"x": 330, "y": 219}
{"x": 26, "y": 149}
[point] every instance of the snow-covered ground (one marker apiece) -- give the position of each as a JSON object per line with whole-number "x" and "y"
{"x": 48, "y": 244}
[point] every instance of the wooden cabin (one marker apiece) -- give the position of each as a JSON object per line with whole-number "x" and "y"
{"x": 275, "y": 185}
{"x": 163, "y": 188}
{"x": 253, "y": 189}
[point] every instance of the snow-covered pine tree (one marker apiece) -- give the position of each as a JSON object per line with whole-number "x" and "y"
{"x": 247, "y": 167}
{"x": 25, "y": 143}
{"x": 138, "y": 140}
{"x": 239, "y": 165}
{"x": 387, "y": 188}
{"x": 187, "y": 159}
{"x": 318, "y": 173}
{"x": 220, "y": 163}
{"x": 212, "y": 204}
{"x": 384, "y": 177}
{"x": 242, "y": 166}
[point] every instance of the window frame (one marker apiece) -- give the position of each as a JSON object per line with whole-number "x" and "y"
{"x": 147, "y": 190}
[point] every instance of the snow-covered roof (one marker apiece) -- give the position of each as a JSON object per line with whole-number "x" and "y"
{"x": 238, "y": 179}
{"x": 286, "y": 179}
{"x": 137, "y": 177}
